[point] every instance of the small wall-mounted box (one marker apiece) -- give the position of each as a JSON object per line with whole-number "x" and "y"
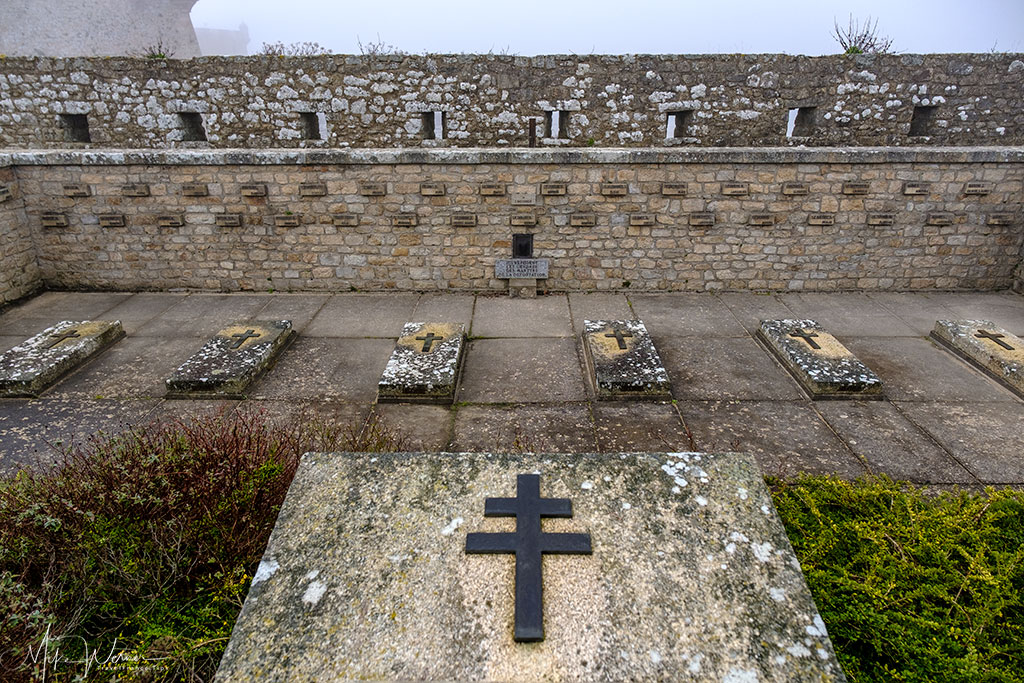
{"x": 112, "y": 220}
{"x": 255, "y": 190}
{"x": 135, "y": 190}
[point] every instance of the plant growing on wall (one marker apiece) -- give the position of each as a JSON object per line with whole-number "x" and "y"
{"x": 859, "y": 38}
{"x": 308, "y": 48}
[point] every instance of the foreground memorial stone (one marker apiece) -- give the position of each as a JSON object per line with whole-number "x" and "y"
{"x": 691, "y": 576}
{"x": 818, "y": 361}
{"x": 988, "y": 347}
{"x": 622, "y": 362}
{"x": 425, "y": 365}
{"x": 35, "y": 364}
{"x": 231, "y": 361}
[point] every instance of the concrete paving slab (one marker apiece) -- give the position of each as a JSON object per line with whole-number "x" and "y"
{"x": 139, "y": 309}
{"x": 502, "y": 316}
{"x": 340, "y": 417}
{"x": 525, "y": 370}
{"x": 203, "y": 315}
{"x": 787, "y": 437}
{"x": 879, "y": 433}
{"x": 419, "y": 427}
{"x": 318, "y": 367}
{"x": 848, "y": 314}
{"x": 363, "y": 315}
{"x": 685, "y": 315}
{"x": 566, "y": 428}
{"x": 1005, "y": 309}
{"x": 750, "y": 309}
{"x": 171, "y": 410}
{"x": 725, "y": 368}
{"x": 55, "y": 306}
{"x": 298, "y": 308}
{"x": 639, "y": 427}
{"x": 600, "y": 306}
{"x": 455, "y": 308}
{"x": 9, "y": 342}
{"x": 986, "y": 437}
{"x": 919, "y": 311}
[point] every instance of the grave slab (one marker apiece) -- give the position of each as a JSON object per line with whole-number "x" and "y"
{"x": 818, "y": 361}
{"x": 690, "y": 575}
{"x": 32, "y": 366}
{"x": 985, "y": 345}
{"x": 231, "y": 361}
{"x": 425, "y": 365}
{"x": 622, "y": 362}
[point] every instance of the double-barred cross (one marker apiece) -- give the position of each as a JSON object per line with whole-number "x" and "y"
{"x": 529, "y": 544}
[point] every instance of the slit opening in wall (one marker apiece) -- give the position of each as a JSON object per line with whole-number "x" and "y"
{"x": 522, "y": 246}
{"x": 192, "y": 127}
{"x": 434, "y": 124}
{"x": 802, "y": 121}
{"x": 921, "y": 121}
{"x": 678, "y": 123}
{"x": 556, "y": 124}
{"x": 313, "y": 125}
{"x": 76, "y": 127}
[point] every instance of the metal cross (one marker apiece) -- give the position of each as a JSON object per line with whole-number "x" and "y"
{"x": 63, "y": 336}
{"x": 807, "y": 337}
{"x": 992, "y": 336}
{"x": 428, "y": 341}
{"x": 529, "y": 544}
{"x": 619, "y": 334}
{"x": 241, "y": 337}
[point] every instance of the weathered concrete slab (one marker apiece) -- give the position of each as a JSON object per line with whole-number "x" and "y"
{"x": 986, "y": 346}
{"x": 622, "y": 362}
{"x": 35, "y": 364}
{"x": 425, "y": 365}
{"x": 818, "y": 361}
{"x": 691, "y": 575}
{"x": 231, "y": 361}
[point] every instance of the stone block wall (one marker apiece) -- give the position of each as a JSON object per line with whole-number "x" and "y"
{"x": 19, "y": 272}
{"x": 644, "y": 220}
{"x": 489, "y": 101}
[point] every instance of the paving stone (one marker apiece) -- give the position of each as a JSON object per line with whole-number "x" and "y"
{"x": 363, "y": 315}
{"x": 527, "y": 370}
{"x": 1005, "y": 309}
{"x": 879, "y": 433}
{"x": 456, "y": 308}
{"x": 172, "y": 410}
{"x": 231, "y": 361}
{"x": 203, "y": 315}
{"x": 320, "y": 368}
{"x": 622, "y": 363}
{"x": 986, "y": 437}
{"x": 599, "y": 306}
{"x": 847, "y": 314}
{"x": 366, "y": 575}
{"x": 425, "y": 365}
{"x": 298, "y": 308}
{"x": 31, "y": 367}
{"x": 341, "y": 418}
{"x": 565, "y": 428}
{"x": 41, "y": 311}
{"x": 750, "y": 308}
{"x": 139, "y": 309}
{"x": 419, "y": 427}
{"x": 502, "y": 316}
{"x": 685, "y": 315}
{"x": 725, "y": 368}
{"x": 818, "y": 361}
{"x": 917, "y": 310}
{"x": 10, "y": 342}
{"x": 985, "y": 345}
{"x": 638, "y": 427}
{"x": 787, "y": 437}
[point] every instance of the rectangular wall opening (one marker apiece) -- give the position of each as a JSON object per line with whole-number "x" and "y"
{"x": 556, "y": 124}
{"x": 311, "y": 128}
{"x": 192, "y": 127}
{"x": 921, "y": 121}
{"x": 522, "y": 246}
{"x": 678, "y": 124}
{"x": 434, "y": 124}
{"x": 802, "y": 122}
{"x": 76, "y": 127}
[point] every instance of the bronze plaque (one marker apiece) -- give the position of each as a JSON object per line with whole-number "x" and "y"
{"x": 614, "y": 189}
{"x": 170, "y": 220}
{"x": 641, "y": 219}
{"x": 51, "y": 219}
{"x": 583, "y": 220}
{"x": 940, "y": 218}
{"x": 735, "y": 189}
{"x": 373, "y": 189}
{"x": 288, "y": 220}
{"x": 1000, "y": 219}
{"x": 761, "y": 219}
{"x": 229, "y": 220}
{"x": 553, "y": 189}
{"x": 254, "y": 190}
{"x": 916, "y": 188}
{"x": 977, "y": 188}
{"x": 346, "y": 220}
{"x": 195, "y": 190}
{"x": 821, "y": 219}
{"x": 856, "y": 187}
{"x": 111, "y": 220}
{"x": 492, "y": 189}
{"x": 404, "y": 220}
{"x": 795, "y": 189}
{"x": 702, "y": 219}
{"x": 523, "y": 219}
{"x": 432, "y": 189}
{"x": 77, "y": 190}
{"x": 135, "y": 190}
{"x": 312, "y": 190}
{"x": 881, "y": 218}
{"x": 464, "y": 220}
{"x": 674, "y": 189}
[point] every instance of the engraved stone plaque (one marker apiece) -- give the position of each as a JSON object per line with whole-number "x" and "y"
{"x": 228, "y": 220}
{"x": 881, "y": 218}
{"x": 583, "y": 220}
{"x": 77, "y": 190}
{"x": 253, "y": 190}
{"x": 761, "y": 219}
{"x": 1000, "y": 219}
{"x": 289, "y": 220}
{"x": 735, "y": 189}
{"x": 553, "y": 189}
{"x": 534, "y": 268}
{"x": 464, "y": 220}
{"x": 622, "y": 362}
{"x": 818, "y": 361}
{"x": 940, "y": 218}
{"x": 373, "y": 189}
{"x": 795, "y": 189}
{"x": 345, "y": 220}
{"x": 170, "y": 220}
{"x": 111, "y": 220}
{"x": 425, "y": 365}
{"x": 702, "y": 219}
{"x": 522, "y": 199}
{"x": 614, "y": 189}
{"x": 821, "y": 219}
{"x": 52, "y": 219}
{"x": 856, "y": 187}
{"x": 35, "y": 364}
{"x": 916, "y": 188}
{"x": 231, "y": 361}
{"x": 312, "y": 189}
{"x": 5, "y": 193}
{"x": 977, "y": 188}
{"x": 998, "y": 353}
{"x": 404, "y": 220}
{"x": 523, "y": 219}
{"x": 135, "y": 190}
{"x": 674, "y": 189}
{"x": 492, "y": 189}
{"x": 195, "y": 190}
{"x": 641, "y": 219}
{"x": 432, "y": 189}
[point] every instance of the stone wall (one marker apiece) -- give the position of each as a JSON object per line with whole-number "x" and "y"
{"x": 19, "y": 272}
{"x": 770, "y": 219}
{"x": 489, "y": 100}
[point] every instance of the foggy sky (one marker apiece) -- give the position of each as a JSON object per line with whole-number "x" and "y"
{"x": 529, "y": 27}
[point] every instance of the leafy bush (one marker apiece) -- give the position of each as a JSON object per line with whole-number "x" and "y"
{"x": 912, "y": 587}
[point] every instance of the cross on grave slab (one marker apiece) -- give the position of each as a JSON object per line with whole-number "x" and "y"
{"x": 619, "y": 337}
{"x": 807, "y": 337}
{"x": 529, "y": 544}
{"x": 63, "y": 336}
{"x": 428, "y": 341}
{"x": 241, "y": 337}
{"x": 992, "y": 336}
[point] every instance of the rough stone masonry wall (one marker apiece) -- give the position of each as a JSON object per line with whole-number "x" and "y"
{"x": 778, "y": 219}
{"x": 19, "y": 272}
{"x": 488, "y": 100}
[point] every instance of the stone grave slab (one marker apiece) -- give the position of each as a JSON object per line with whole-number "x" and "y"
{"x": 425, "y": 365}
{"x": 30, "y": 367}
{"x": 380, "y": 567}
{"x": 986, "y": 346}
{"x": 231, "y": 360}
{"x": 818, "y": 361}
{"x": 622, "y": 363}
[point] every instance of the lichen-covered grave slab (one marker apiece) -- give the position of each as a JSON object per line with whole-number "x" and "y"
{"x": 986, "y": 346}
{"x": 818, "y": 361}
{"x": 622, "y": 362}
{"x": 367, "y": 576}
{"x": 35, "y": 364}
{"x": 231, "y": 361}
{"x": 425, "y": 365}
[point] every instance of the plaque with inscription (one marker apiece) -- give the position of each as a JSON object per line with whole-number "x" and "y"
{"x": 464, "y": 220}
{"x": 257, "y": 190}
{"x": 674, "y": 189}
{"x": 881, "y": 218}
{"x": 345, "y": 220}
{"x": 983, "y": 344}
{"x": 77, "y": 190}
{"x": 977, "y": 188}
{"x": 1000, "y": 219}
{"x": 522, "y": 199}
{"x": 312, "y": 189}
{"x": 170, "y": 220}
{"x": 643, "y": 220}
{"x": 821, "y": 219}
{"x": 111, "y": 220}
{"x": 795, "y": 189}
{"x": 52, "y": 219}
{"x": 735, "y": 189}
{"x": 373, "y": 189}
{"x": 404, "y": 220}
{"x": 195, "y": 190}
{"x": 492, "y": 189}
{"x": 553, "y": 189}
{"x": 856, "y": 187}
{"x": 228, "y": 220}
{"x": 534, "y": 268}
{"x": 622, "y": 362}
{"x": 761, "y": 219}
{"x": 523, "y": 219}
{"x": 940, "y": 218}
{"x": 614, "y": 189}
{"x": 135, "y": 190}
{"x": 425, "y": 364}
{"x": 5, "y": 193}
{"x": 916, "y": 188}
{"x": 702, "y": 219}
{"x": 288, "y": 220}
{"x": 432, "y": 189}
{"x": 583, "y": 220}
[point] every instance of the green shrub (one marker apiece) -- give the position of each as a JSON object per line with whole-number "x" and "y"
{"x": 913, "y": 587}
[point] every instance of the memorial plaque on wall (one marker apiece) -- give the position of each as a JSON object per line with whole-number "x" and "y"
{"x": 51, "y": 219}
{"x": 977, "y": 188}
{"x": 35, "y": 364}
{"x": 111, "y": 220}
{"x": 253, "y": 190}
{"x": 1000, "y": 219}
{"x": 940, "y": 218}
{"x": 432, "y": 189}
{"x": 424, "y": 366}
{"x": 881, "y": 219}
{"x": 916, "y": 188}
{"x": 985, "y": 345}
{"x": 821, "y": 219}
{"x": 553, "y": 189}
{"x": 614, "y": 189}
{"x": 523, "y": 220}
{"x": 135, "y": 190}
{"x": 346, "y": 220}
{"x": 5, "y": 193}
{"x": 761, "y": 219}
{"x": 195, "y": 190}
{"x": 641, "y": 219}
{"x": 464, "y": 220}
{"x": 583, "y": 220}
{"x": 289, "y": 220}
{"x": 77, "y": 190}
{"x": 856, "y": 187}
{"x": 702, "y": 219}
{"x": 404, "y": 220}
{"x": 735, "y": 189}
{"x": 673, "y": 189}
{"x": 228, "y": 220}
{"x": 795, "y": 189}
{"x": 492, "y": 189}
{"x": 506, "y": 269}
{"x": 373, "y": 189}
{"x": 169, "y": 220}
{"x": 312, "y": 190}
